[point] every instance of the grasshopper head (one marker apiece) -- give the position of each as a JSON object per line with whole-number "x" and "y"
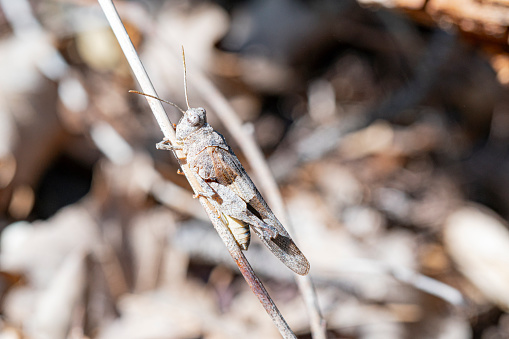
{"x": 191, "y": 121}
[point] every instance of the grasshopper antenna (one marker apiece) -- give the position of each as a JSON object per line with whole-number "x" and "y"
{"x": 185, "y": 77}
{"x": 162, "y": 100}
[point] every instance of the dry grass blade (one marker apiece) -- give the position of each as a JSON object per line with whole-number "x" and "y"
{"x": 168, "y": 132}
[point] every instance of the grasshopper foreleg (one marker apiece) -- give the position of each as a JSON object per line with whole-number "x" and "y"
{"x": 167, "y": 146}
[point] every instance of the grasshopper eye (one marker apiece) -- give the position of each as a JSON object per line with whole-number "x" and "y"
{"x": 196, "y": 116}
{"x": 193, "y": 119}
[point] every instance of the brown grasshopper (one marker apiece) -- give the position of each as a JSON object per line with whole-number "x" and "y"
{"x": 228, "y": 187}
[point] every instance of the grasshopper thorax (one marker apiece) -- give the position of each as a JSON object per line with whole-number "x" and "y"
{"x": 191, "y": 121}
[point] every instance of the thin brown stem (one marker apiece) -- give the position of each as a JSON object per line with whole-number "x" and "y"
{"x": 165, "y": 125}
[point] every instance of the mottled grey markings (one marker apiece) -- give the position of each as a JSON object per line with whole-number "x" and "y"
{"x": 230, "y": 190}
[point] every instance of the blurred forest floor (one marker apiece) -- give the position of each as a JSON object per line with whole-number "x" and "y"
{"x": 385, "y": 123}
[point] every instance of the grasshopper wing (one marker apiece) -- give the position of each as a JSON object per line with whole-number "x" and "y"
{"x": 230, "y": 173}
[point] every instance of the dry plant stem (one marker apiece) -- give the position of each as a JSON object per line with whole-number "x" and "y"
{"x": 267, "y": 182}
{"x": 165, "y": 125}
{"x": 316, "y": 320}
{"x": 137, "y": 67}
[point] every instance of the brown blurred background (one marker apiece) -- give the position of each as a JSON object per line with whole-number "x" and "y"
{"x": 385, "y": 123}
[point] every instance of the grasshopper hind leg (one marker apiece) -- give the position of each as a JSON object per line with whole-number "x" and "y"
{"x": 263, "y": 229}
{"x": 233, "y": 206}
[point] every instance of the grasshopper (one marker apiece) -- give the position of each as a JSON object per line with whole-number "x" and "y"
{"x": 227, "y": 186}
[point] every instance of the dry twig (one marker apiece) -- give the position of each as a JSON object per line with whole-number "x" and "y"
{"x": 169, "y": 133}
